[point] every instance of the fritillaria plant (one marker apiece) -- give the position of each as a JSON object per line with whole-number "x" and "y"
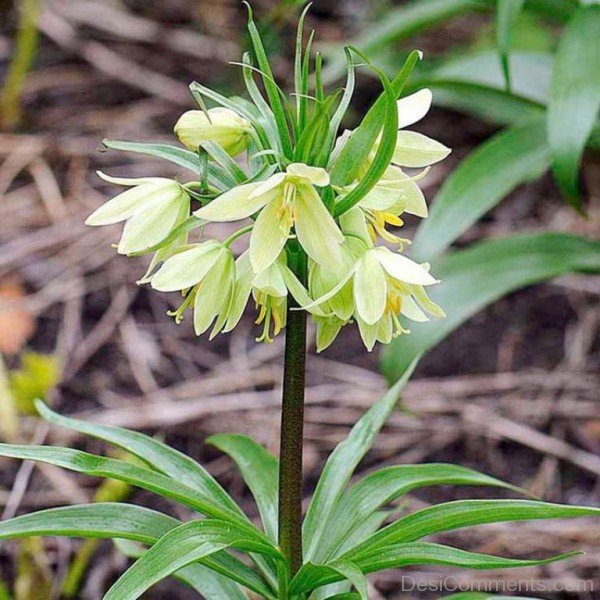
{"x": 320, "y": 209}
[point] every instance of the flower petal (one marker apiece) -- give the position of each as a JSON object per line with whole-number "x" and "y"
{"x": 241, "y": 293}
{"x": 411, "y": 198}
{"x": 127, "y": 203}
{"x": 327, "y": 331}
{"x": 412, "y": 311}
{"x": 425, "y": 302}
{"x": 414, "y": 107}
{"x": 368, "y": 333}
{"x": 271, "y": 281}
{"x": 417, "y": 150}
{"x": 402, "y": 268}
{"x": 317, "y": 231}
{"x": 268, "y": 238}
{"x": 152, "y": 223}
{"x": 233, "y": 205}
{"x": 186, "y": 268}
{"x": 353, "y": 223}
{"x": 370, "y": 289}
{"x": 316, "y": 175}
{"x": 269, "y": 185}
{"x": 213, "y": 294}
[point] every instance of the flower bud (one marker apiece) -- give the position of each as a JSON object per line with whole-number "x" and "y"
{"x": 220, "y": 125}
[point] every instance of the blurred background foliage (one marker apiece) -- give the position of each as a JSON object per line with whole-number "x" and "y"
{"x": 516, "y": 86}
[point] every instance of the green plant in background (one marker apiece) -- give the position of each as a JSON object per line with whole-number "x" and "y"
{"x": 317, "y": 205}
{"x": 22, "y": 59}
{"x": 548, "y": 105}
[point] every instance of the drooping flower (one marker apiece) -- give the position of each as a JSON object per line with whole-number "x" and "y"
{"x": 269, "y": 289}
{"x": 220, "y": 125}
{"x": 381, "y": 286}
{"x": 285, "y": 200}
{"x": 206, "y": 274}
{"x": 395, "y": 193}
{"x": 152, "y": 208}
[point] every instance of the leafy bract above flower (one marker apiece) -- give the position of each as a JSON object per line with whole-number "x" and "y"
{"x": 206, "y": 273}
{"x": 153, "y": 207}
{"x": 220, "y": 125}
{"x": 285, "y": 200}
{"x": 415, "y": 149}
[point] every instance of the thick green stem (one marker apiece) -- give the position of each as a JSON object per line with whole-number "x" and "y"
{"x": 292, "y": 427}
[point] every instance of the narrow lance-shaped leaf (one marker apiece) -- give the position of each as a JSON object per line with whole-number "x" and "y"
{"x": 273, "y": 92}
{"x": 507, "y": 13}
{"x": 180, "y": 547}
{"x": 481, "y": 181}
{"x": 165, "y": 459}
{"x": 475, "y": 277}
{"x": 385, "y": 151}
{"x": 99, "y": 466}
{"x": 179, "y": 156}
{"x": 341, "y": 464}
{"x": 574, "y": 98}
{"x": 400, "y": 24}
{"x": 420, "y": 553}
{"x": 122, "y": 521}
{"x": 213, "y": 585}
{"x": 474, "y": 84}
{"x": 98, "y": 520}
{"x": 260, "y": 471}
{"x": 356, "y": 150}
{"x": 463, "y": 513}
{"x": 386, "y": 485}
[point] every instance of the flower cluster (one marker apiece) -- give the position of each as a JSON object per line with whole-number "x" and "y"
{"x": 277, "y": 171}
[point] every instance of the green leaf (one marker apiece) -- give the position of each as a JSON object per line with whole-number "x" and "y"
{"x": 475, "y": 84}
{"x": 507, "y": 13}
{"x": 181, "y": 547}
{"x": 402, "y": 23}
{"x": 384, "y": 486}
{"x": 227, "y": 163}
{"x": 99, "y": 466}
{"x": 557, "y": 10}
{"x": 421, "y": 553}
{"x": 179, "y": 156}
{"x": 268, "y": 118}
{"x": 356, "y": 150}
{"x": 118, "y": 520}
{"x": 341, "y": 465}
{"x": 273, "y": 92}
{"x": 212, "y": 585}
{"x": 475, "y": 277}
{"x": 354, "y": 575}
{"x": 484, "y": 178}
{"x": 98, "y": 520}
{"x": 161, "y": 457}
{"x": 260, "y": 471}
{"x": 574, "y": 98}
{"x": 462, "y": 513}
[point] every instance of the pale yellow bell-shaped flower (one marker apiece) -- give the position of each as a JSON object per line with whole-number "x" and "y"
{"x": 220, "y": 125}
{"x": 285, "y": 200}
{"x": 381, "y": 286}
{"x": 152, "y": 208}
{"x": 269, "y": 289}
{"x": 207, "y": 272}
